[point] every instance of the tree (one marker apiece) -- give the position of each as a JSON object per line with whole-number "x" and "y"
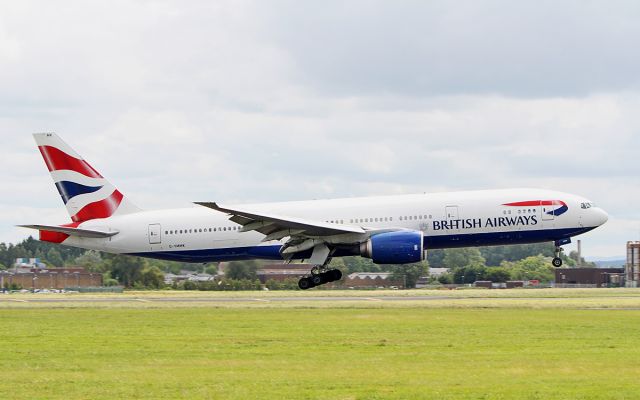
{"x": 458, "y": 258}
{"x": 152, "y": 277}
{"x": 436, "y": 258}
{"x": 496, "y": 274}
{"x": 410, "y": 272}
{"x": 238, "y": 270}
{"x": 469, "y": 274}
{"x": 91, "y": 260}
{"x": 495, "y": 255}
{"x": 358, "y": 264}
{"x": 54, "y": 257}
{"x": 127, "y": 270}
{"x": 211, "y": 269}
{"x": 537, "y": 267}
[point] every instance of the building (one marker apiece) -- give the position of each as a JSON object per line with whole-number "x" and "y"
{"x": 281, "y": 272}
{"x": 28, "y": 263}
{"x": 191, "y": 276}
{"x": 54, "y": 278}
{"x": 632, "y": 266}
{"x": 589, "y": 277}
{"x": 371, "y": 280}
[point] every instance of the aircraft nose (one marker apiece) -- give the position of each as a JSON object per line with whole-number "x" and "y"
{"x": 600, "y": 216}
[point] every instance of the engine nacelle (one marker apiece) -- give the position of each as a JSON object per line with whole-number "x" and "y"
{"x": 402, "y": 247}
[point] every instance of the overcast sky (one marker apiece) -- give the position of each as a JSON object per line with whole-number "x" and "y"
{"x": 244, "y": 101}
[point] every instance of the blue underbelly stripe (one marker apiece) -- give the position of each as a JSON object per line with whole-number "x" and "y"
{"x": 272, "y": 252}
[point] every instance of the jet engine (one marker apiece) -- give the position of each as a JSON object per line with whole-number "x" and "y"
{"x": 401, "y": 247}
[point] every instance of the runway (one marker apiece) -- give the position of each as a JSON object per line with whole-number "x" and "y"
{"x": 280, "y": 299}
{"x": 146, "y": 299}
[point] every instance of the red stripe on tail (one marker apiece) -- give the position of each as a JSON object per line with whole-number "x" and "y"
{"x": 57, "y": 159}
{"x": 99, "y": 209}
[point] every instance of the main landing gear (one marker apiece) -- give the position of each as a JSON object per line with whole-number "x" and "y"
{"x": 319, "y": 276}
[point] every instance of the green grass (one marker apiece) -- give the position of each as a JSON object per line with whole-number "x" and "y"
{"x": 351, "y": 350}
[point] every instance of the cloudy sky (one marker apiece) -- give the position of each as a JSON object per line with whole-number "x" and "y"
{"x": 246, "y": 101}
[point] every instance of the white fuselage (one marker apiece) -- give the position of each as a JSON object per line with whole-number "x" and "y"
{"x": 455, "y": 219}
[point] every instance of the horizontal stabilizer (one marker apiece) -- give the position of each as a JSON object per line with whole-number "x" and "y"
{"x": 81, "y": 232}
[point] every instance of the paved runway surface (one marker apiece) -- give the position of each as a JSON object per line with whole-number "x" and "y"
{"x": 220, "y": 299}
{"x": 168, "y": 299}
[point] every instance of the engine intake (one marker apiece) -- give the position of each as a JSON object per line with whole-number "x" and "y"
{"x": 402, "y": 247}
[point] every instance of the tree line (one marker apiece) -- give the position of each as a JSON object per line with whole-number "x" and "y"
{"x": 466, "y": 265}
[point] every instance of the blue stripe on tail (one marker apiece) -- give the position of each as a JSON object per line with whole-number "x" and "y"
{"x": 69, "y": 190}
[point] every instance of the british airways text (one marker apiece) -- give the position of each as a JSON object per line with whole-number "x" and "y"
{"x": 476, "y": 223}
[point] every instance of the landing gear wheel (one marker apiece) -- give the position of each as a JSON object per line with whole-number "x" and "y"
{"x": 305, "y": 283}
{"x": 316, "y": 279}
{"x": 336, "y": 275}
{"x": 557, "y": 262}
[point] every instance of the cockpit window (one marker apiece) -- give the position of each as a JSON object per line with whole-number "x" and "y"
{"x": 586, "y": 205}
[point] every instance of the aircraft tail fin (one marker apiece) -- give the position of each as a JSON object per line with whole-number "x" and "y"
{"x": 86, "y": 194}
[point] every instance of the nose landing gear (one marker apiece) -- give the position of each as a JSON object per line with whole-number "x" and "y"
{"x": 557, "y": 261}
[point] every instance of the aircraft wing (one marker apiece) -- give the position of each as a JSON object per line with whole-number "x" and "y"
{"x": 276, "y": 227}
{"x": 82, "y": 232}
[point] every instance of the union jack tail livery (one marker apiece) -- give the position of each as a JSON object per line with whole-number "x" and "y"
{"x": 86, "y": 194}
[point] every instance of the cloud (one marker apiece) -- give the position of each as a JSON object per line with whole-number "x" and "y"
{"x": 267, "y": 101}
{"x": 436, "y": 48}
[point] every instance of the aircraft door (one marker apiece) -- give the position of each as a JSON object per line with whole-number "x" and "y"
{"x": 547, "y": 216}
{"x": 155, "y": 234}
{"x": 451, "y": 212}
{"x": 547, "y": 212}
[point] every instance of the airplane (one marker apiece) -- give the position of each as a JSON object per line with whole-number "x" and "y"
{"x": 387, "y": 229}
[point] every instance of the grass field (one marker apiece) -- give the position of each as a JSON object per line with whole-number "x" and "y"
{"x": 558, "y": 344}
